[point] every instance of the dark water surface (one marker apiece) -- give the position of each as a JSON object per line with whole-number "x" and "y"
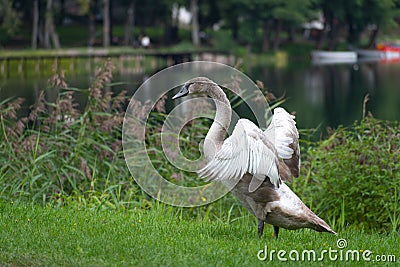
{"x": 321, "y": 95}
{"x": 332, "y": 95}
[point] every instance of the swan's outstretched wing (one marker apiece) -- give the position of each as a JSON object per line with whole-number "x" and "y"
{"x": 286, "y": 139}
{"x": 247, "y": 150}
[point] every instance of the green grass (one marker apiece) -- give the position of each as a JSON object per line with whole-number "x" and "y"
{"x": 161, "y": 236}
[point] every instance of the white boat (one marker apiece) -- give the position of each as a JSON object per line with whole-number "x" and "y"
{"x": 346, "y": 55}
{"x": 377, "y": 54}
{"x": 320, "y": 57}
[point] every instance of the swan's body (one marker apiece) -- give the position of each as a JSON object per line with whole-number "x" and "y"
{"x": 257, "y": 162}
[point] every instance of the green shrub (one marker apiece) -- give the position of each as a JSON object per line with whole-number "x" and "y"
{"x": 59, "y": 152}
{"x": 353, "y": 176}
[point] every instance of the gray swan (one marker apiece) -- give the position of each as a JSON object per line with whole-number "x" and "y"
{"x": 258, "y": 161}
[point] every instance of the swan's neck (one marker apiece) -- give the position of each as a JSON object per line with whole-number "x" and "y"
{"x": 216, "y": 135}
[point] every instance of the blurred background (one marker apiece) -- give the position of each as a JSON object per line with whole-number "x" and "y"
{"x": 269, "y": 40}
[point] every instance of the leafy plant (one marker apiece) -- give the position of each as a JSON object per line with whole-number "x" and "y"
{"x": 58, "y": 152}
{"x": 353, "y": 176}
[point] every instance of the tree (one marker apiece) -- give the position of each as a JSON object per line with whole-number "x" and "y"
{"x": 35, "y": 24}
{"x": 165, "y": 13}
{"x": 272, "y": 16}
{"x": 280, "y": 14}
{"x": 383, "y": 14}
{"x": 291, "y": 14}
{"x": 50, "y": 28}
{"x": 10, "y": 19}
{"x": 41, "y": 14}
{"x": 356, "y": 16}
{"x": 208, "y": 13}
{"x": 194, "y": 10}
{"x": 88, "y": 8}
{"x": 230, "y": 11}
{"x": 106, "y": 23}
{"x": 129, "y": 24}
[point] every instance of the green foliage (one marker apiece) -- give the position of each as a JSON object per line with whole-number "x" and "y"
{"x": 84, "y": 6}
{"x": 353, "y": 177}
{"x": 59, "y": 152}
{"x": 10, "y": 19}
{"x": 222, "y": 40}
{"x": 358, "y": 15}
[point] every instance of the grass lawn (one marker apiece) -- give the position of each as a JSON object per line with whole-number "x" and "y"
{"x": 164, "y": 236}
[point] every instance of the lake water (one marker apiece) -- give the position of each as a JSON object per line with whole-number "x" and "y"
{"x": 321, "y": 95}
{"x": 332, "y": 95}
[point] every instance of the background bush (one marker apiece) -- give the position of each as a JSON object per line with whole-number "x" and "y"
{"x": 60, "y": 152}
{"x": 353, "y": 176}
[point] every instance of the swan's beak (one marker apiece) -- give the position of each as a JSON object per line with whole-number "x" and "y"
{"x": 184, "y": 91}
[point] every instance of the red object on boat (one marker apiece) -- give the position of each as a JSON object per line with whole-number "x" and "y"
{"x": 388, "y": 47}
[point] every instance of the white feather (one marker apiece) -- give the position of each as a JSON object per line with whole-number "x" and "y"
{"x": 283, "y": 130}
{"x": 250, "y": 150}
{"x": 247, "y": 150}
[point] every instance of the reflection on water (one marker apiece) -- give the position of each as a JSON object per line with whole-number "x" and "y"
{"x": 330, "y": 95}
{"x": 324, "y": 95}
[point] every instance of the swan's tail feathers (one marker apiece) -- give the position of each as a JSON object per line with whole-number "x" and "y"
{"x": 320, "y": 225}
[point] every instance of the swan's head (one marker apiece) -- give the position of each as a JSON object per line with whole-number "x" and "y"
{"x": 198, "y": 85}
